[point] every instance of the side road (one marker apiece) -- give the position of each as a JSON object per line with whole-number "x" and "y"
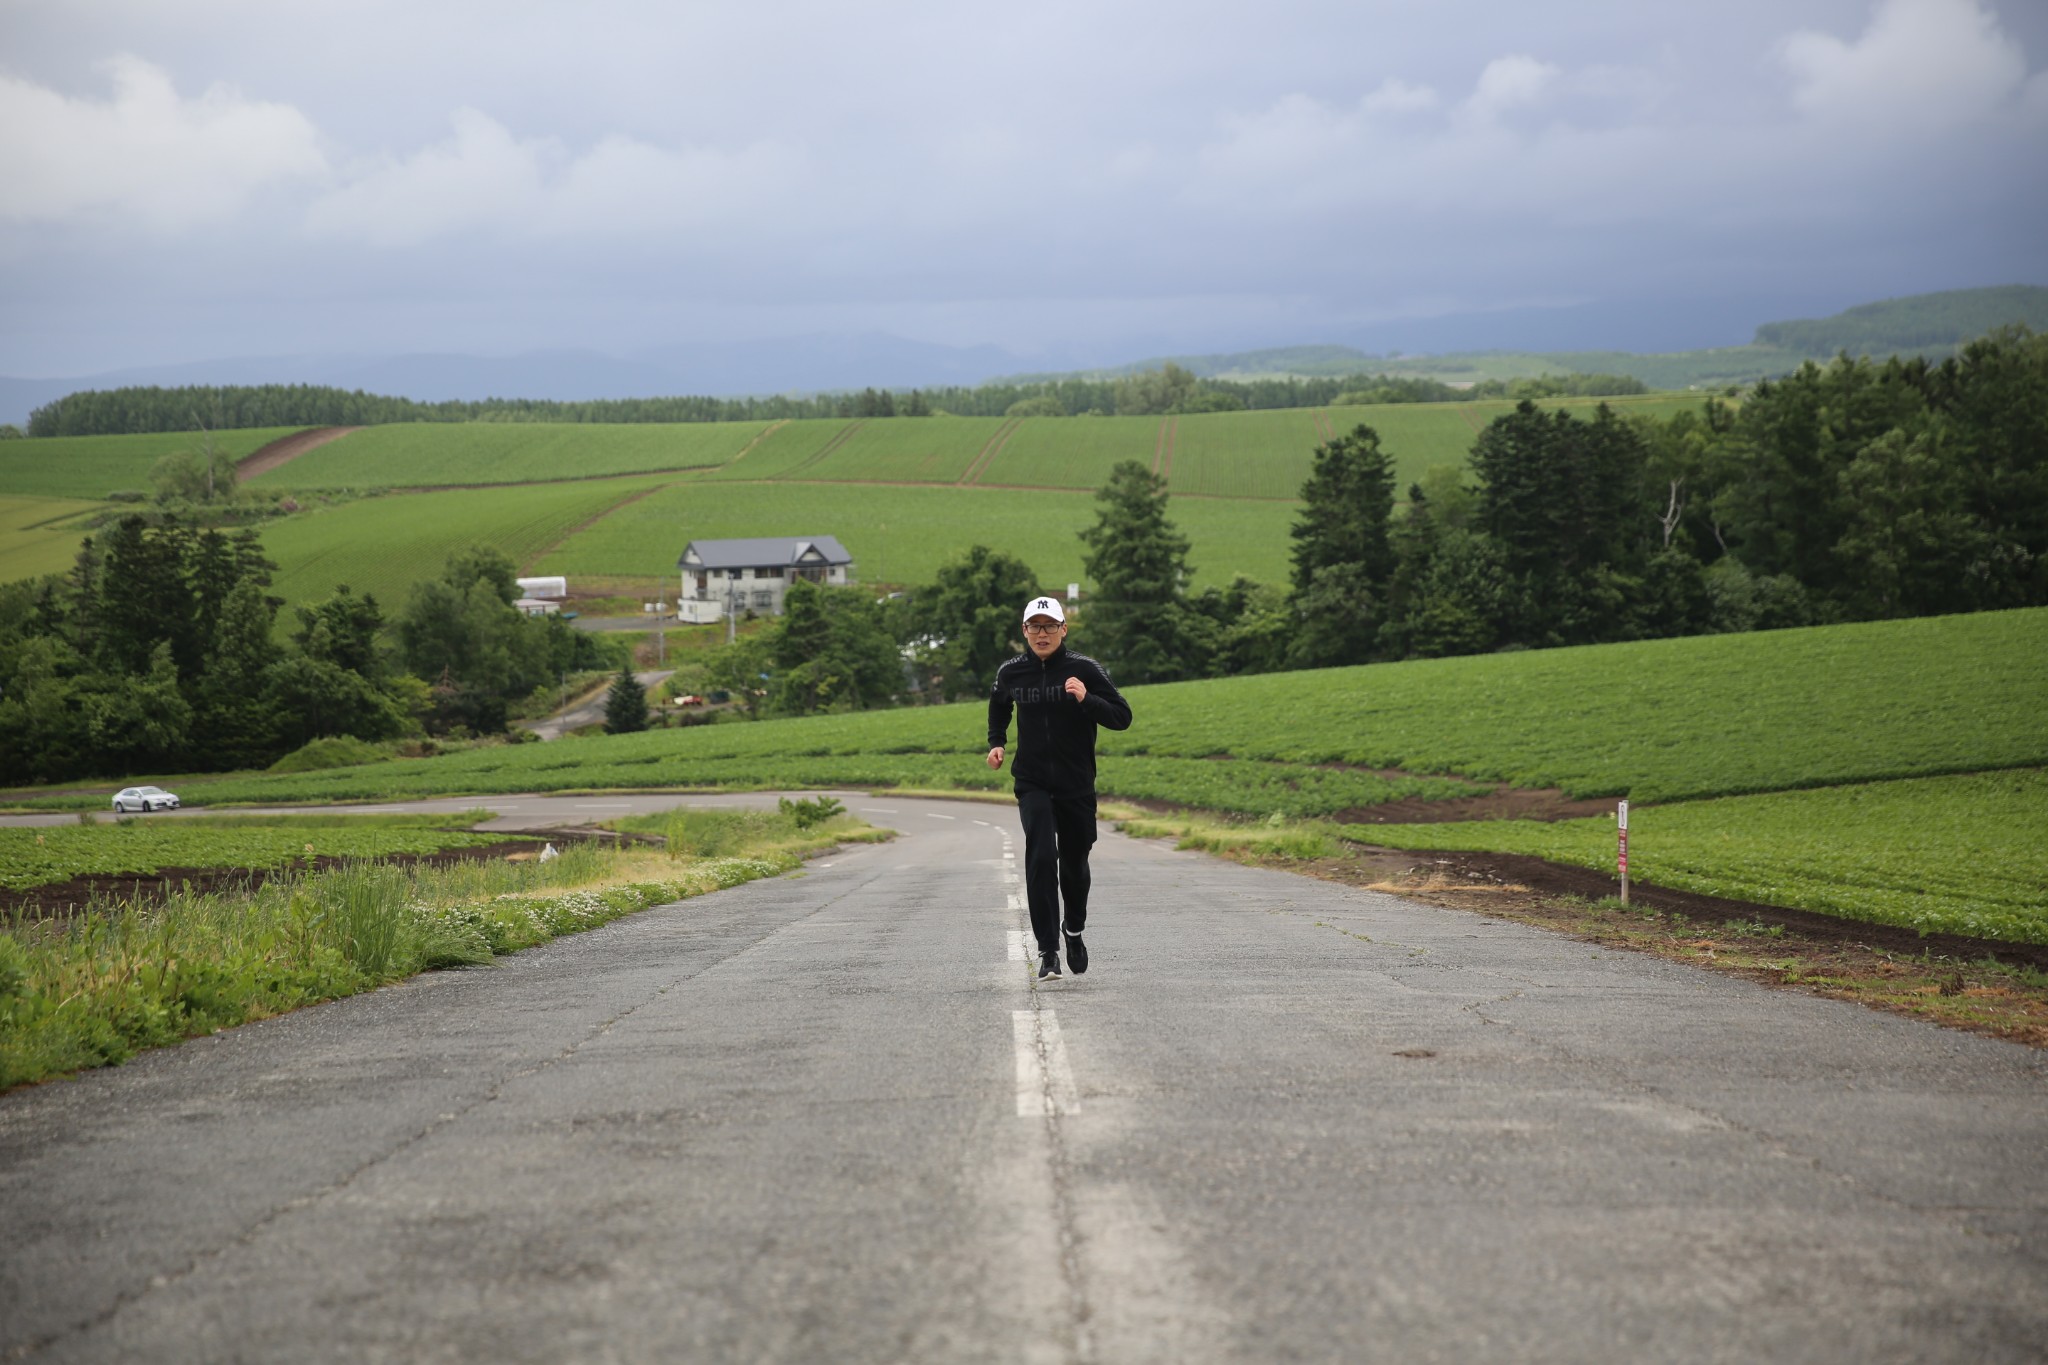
{"x": 828, "y": 1116}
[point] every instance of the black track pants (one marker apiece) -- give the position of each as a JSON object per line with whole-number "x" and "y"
{"x": 1058, "y": 832}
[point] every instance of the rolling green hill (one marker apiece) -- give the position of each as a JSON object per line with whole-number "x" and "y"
{"x": 94, "y": 466}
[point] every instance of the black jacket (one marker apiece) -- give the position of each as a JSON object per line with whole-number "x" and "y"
{"x": 1055, "y": 734}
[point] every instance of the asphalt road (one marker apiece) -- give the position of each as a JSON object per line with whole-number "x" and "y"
{"x": 828, "y": 1117}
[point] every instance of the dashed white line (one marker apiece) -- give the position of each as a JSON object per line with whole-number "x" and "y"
{"x": 1045, "y": 1080}
{"x": 878, "y": 810}
{"x": 603, "y": 805}
{"x": 984, "y": 824}
{"x": 929, "y": 816}
{"x": 1017, "y": 946}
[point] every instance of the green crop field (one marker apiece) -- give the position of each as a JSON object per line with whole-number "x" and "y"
{"x": 384, "y": 545}
{"x": 915, "y": 450}
{"x": 1962, "y": 854}
{"x": 94, "y": 466}
{"x": 901, "y": 535}
{"x": 1072, "y": 452}
{"x": 442, "y": 454}
{"x": 39, "y": 535}
{"x": 39, "y": 857}
{"x": 791, "y": 446}
{"x": 1245, "y": 454}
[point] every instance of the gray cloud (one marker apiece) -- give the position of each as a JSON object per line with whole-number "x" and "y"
{"x": 392, "y": 176}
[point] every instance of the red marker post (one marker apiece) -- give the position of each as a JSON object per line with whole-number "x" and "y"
{"x": 1621, "y": 820}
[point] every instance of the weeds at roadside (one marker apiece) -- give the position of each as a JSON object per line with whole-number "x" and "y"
{"x": 94, "y": 989}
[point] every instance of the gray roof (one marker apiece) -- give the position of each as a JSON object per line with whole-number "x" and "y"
{"x": 768, "y": 552}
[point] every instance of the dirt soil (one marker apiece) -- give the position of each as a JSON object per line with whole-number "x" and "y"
{"x": 285, "y": 449}
{"x": 1981, "y": 985}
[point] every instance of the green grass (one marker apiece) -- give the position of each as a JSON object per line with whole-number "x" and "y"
{"x": 39, "y": 535}
{"x": 902, "y": 535}
{"x": 431, "y": 454}
{"x": 94, "y": 466}
{"x": 1962, "y": 854}
{"x": 384, "y": 545}
{"x": 1656, "y": 721}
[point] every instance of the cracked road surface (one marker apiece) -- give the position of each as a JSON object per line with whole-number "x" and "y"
{"x": 828, "y": 1117}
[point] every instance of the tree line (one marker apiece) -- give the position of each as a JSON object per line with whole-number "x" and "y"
{"x": 159, "y": 652}
{"x": 1170, "y": 389}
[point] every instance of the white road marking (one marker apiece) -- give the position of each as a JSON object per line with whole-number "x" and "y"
{"x": 929, "y": 816}
{"x": 1016, "y": 902}
{"x": 1045, "y": 1080}
{"x": 1017, "y": 946}
{"x": 984, "y": 824}
{"x": 603, "y": 805}
{"x": 878, "y": 810}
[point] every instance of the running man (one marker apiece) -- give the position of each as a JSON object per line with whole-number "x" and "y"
{"x": 1060, "y": 698}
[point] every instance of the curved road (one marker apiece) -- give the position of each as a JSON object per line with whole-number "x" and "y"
{"x": 829, "y": 1117}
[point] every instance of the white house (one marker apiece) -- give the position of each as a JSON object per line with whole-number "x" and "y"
{"x": 734, "y": 576}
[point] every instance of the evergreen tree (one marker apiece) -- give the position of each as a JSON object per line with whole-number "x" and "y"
{"x": 625, "y": 705}
{"x": 1343, "y": 558}
{"x": 1136, "y": 620}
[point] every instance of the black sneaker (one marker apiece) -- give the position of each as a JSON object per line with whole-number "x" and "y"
{"x": 1077, "y": 953}
{"x": 1048, "y": 966}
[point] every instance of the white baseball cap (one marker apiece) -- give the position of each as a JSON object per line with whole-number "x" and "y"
{"x": 1045, "y": 606}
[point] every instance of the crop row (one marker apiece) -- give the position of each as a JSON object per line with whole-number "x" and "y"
{"x": 38, "y": 857}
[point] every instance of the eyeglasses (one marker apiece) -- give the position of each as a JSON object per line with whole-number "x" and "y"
{"x": 1044, "y": 627}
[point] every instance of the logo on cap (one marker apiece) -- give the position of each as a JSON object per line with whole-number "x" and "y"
{"x": 1045, "y": 606}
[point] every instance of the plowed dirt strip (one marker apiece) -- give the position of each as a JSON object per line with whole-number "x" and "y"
{"x": 988, "y": 453}
{"x": 1159, "y": 445}
{"x": 1172, "y": 445}
{"x": 286, "y": 449}
{"x": 766, "y": 432}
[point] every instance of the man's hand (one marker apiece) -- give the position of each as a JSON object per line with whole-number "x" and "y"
{"x": 1077, "y": 689}
{"x": 995, "y": 757}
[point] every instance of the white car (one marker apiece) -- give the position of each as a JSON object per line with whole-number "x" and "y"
{"x": 144, "y": 799}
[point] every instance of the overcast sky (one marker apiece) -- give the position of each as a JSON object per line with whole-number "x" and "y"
{"x": 239, "y": 177}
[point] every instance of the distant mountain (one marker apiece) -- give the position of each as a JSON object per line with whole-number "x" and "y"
{"x": 1922, "y": 324}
